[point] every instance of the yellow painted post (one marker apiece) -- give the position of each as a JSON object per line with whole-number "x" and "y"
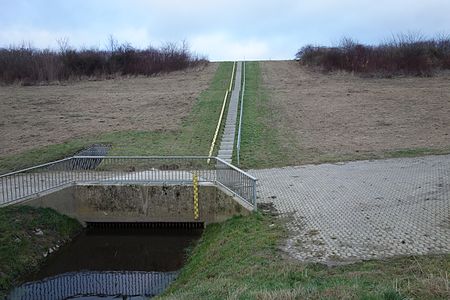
{"x": 195, "y": 183}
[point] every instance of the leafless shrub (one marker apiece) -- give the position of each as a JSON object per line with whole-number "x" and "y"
{"x": 28, "y": 65}
{"x": 405, "y": 54}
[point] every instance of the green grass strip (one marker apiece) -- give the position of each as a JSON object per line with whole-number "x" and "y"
{"x": 260, "y": 146}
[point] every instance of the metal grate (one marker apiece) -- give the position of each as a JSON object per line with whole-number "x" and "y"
{"x": 144, "y": 225}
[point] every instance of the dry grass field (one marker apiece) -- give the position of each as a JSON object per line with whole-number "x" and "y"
{"x": 327, "y": 117}
{"x": 309, "y": 117}
{"x": 37, "y": 116}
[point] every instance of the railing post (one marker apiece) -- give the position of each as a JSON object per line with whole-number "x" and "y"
{"x": 254, "y": 196}
{"x": 238, "y": 146}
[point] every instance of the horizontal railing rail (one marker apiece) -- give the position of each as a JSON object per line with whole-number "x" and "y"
{"x": 19, "y": 185}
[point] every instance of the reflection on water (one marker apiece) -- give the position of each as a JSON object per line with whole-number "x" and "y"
{"x": 115, "y": 264}
{"x": 71, "y": 285}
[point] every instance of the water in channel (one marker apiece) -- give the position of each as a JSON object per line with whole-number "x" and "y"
{"x": 132, "y": 263}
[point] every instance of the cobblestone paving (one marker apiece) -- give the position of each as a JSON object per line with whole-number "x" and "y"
{"x": 364, "y": 209}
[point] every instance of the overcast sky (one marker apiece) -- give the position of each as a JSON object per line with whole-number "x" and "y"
{"x": 221, "y": 30}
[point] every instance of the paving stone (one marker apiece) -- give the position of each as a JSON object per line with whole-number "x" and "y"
{"x": 364, "y": 209}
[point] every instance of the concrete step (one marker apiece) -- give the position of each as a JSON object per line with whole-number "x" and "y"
{"x": 225, "y": 152}
{"x": 225, "y": 157}
{"x": 228, "y": 138}
{"x": 226, "y": 144}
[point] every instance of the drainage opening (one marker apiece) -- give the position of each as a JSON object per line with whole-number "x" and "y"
{"x": 138, "y": 225}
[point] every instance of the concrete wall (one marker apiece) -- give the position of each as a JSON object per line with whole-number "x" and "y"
{"x": 141, "y": 203}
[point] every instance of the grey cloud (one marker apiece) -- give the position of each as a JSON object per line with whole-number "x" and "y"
{"x": 282, "y": 26}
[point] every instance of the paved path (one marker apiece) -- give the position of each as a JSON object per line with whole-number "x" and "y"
{"x": 227, "y": 143}
{"x": 364, "y": 209}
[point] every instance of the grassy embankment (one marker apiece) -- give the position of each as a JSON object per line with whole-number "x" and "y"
{"x": 193, "y": 138}
{"x": 240, "y": 259}
{"x": 25, "y": 235}
{"x": 265, "y": 144}
{"x": 260, "y": 141}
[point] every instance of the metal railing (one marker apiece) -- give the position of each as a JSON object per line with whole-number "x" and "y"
{"x": 32, "y": 181}
{"x": 238, "y": 144}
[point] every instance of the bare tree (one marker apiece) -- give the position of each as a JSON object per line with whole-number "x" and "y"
{"x": 63, "y": 44}
{"x": 112, "y": 45}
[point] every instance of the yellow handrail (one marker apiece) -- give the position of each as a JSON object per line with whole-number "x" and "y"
{"x": 211, "y": 149}
{"x": 232, "y": 77}
{"x": 218, "y": 125}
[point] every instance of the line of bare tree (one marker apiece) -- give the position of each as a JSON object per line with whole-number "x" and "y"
{"x": 404, "y": 54}
{"x": 28, "y": 65}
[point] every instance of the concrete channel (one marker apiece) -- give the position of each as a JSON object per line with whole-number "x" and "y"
{"x": 140, "y": 215}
